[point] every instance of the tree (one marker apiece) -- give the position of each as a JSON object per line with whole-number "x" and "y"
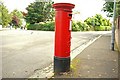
{"x": 16, "y": 17}
{"x": 24, "y": 14}
{"x": 108, "y": 7}
{"x": 15, "y": 21}
{"x": 97, "y": 20}
{"x": 39, "y": 12}
{"x": 79, "y": 26}
{"x": 5, "y": 17}
{"x": 118, "y": 8}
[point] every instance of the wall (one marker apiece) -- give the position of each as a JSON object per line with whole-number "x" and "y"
{"x": 117, "y": 33}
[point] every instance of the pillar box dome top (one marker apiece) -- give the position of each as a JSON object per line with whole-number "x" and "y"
{"x": 64, "y": 6}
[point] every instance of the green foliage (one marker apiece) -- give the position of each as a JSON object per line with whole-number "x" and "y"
{"x": 118, "y": 8}
{"x": 89, "y": 21}
{"x": 75, "y": 27}
{"x": 39, "y": 12}
{"x": 17, "y": 13}
{"x": 108, "y": 7}
{"x": 80, "y": 26}
{"x": 33, "y": 26}
{"x": 48, "y": 26}
{"x": 5, "y": 17}
{"x": 102, "y": 28}
{"x": 96, "y": 21}
{"x": 17, "y": 17}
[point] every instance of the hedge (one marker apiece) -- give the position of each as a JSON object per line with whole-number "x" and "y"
{"x": 102, "y": 28}
{"x": 76, "y": 26}
{"x": 48, "y": 26}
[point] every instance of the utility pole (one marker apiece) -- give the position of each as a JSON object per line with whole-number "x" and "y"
{"x": 113, "y": 27}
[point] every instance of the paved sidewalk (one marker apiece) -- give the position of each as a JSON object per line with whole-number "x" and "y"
{"x": 96, "y": 61}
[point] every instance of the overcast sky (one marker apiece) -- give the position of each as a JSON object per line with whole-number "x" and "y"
{"x": 87, "y": 8}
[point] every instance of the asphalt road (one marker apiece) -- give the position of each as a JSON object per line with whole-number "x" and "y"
{"x": 23, "y": 52}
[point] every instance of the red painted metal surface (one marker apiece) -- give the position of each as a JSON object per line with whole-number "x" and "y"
{"x": 63, "y": 15}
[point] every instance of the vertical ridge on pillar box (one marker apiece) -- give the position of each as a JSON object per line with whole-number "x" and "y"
{"x": 63, "y": 15}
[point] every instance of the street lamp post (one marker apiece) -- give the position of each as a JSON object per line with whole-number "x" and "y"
{"x": 113, "y": 27}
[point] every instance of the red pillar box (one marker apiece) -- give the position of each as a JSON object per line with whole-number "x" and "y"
{"x": 63, "y": 15}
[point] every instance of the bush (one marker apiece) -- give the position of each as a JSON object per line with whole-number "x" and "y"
{"x": 90, "y": 28}
{"x": 80, "y": 26}
{"x": 102, "y": 28}
{"x": 33, "y": 26}
{"x": 48, "y": 26}
{"x": 75, "y": 27}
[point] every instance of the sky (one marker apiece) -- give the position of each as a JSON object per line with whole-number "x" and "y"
{"x": 87, "y": 8}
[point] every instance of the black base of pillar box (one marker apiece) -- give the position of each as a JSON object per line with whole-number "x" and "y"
{"x": 61, "y": 65}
